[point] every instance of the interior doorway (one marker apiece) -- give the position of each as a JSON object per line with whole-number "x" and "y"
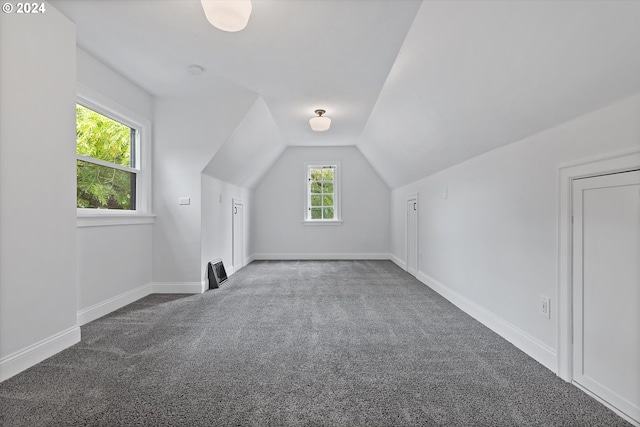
{"x": 238, "y": 234}
{"x": 606, "y": 289}
{"x": 412, "y": 234}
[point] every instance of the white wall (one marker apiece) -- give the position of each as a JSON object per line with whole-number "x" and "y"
{"x": 278, "y": 209}
{"x": 37, "y": 189}
{"x": 492, "y": 244}
{"x": 250, "y": 151}
{"x": 100, "y": 78}
{"x": 217, "y": 223}
{"x": 187, "y": 133}
{"x": 113, "y": 261}
{"x": 103, "y": 287}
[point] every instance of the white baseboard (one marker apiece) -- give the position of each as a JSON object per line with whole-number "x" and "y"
{"x": 96, "y": 311}
{"x": 27, "y": 357}
{"x": 627, "y": 417}
{"x": 178, "y": 288}
{"x": 112, "y": 304}
{"x": 525, "y": 342}
{"x": 320, "y": 256}
{"x": 250, "y": 259}
{"x": 397, "y": 261}
{"x": 23, "y": 359}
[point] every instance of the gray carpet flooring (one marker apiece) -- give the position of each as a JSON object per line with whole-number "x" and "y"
{"x": 339, "y": 343}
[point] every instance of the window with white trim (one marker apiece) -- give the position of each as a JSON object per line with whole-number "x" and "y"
{"x": 323, "y": 196}
{"x": 107, "y": 164}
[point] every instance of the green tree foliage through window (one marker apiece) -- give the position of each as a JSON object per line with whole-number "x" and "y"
{"x": 100, "y": 138}
{"x": 321, "y": 184}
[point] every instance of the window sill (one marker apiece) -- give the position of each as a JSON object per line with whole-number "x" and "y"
{"x": 111, "y": 218}
{"x": 321, "y": 222}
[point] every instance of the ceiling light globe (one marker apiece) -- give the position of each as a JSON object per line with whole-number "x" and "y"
{"x": 227, "y": 15}
{"x": 320, "y": 124}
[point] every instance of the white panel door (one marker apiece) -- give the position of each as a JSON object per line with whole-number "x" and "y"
{"x": 238, "y": 235}
{"x": 606, "y": 289}
{"x": 412, "y": 236}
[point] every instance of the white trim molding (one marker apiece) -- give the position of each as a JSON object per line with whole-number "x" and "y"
{"x": 567, "y": 173}
{"x": 525, "y": 342}
{"x": 319, "y": 256}
{"x": 103, "y": 308}
{"x": 110, "y": 305}
{"x": 397, "y": 261}
{"x": 178, "y": 288}
{"x": 99, "y": 220}
{"x": 23, "y": 359}
{"x": 324, "y": 222}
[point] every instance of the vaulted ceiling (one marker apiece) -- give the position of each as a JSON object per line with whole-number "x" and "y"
{"x": 416, "y": 86}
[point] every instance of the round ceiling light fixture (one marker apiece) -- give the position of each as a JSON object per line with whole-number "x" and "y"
{"x": 227, "y": 15}
{"x": 320, "y": 123}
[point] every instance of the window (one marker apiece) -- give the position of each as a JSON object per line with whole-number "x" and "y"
{"x": 322, "y": 194}
{"x": 106, "y": 161}
{"x": 113, "y": 162}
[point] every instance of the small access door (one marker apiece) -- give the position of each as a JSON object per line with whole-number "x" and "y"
{"x": 238, "y": 234}
{"x": 412, "y": 235}
{"x": 606, "y": 289}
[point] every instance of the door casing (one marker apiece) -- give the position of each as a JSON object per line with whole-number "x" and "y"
{"x": 602, "y": 165}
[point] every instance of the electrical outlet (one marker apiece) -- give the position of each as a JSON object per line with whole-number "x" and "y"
{"x": 184, "y": 201}
{"x": 545, "y": 307}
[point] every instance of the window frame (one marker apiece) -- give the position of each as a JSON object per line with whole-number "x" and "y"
{"x": 337, "y": 201}
{"x": 142, "y": 214}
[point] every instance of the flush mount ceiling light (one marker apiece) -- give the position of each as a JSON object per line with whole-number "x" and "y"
{"x": 320, "y": 123}
{"x": 227, "y": 15}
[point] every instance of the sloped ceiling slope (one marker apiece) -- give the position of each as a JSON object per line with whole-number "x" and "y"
{"x": 298, "y": 55}
{"x": 473, "y": 76}
{"x": 417, "y": 86}
{"x": 253, "y": 147}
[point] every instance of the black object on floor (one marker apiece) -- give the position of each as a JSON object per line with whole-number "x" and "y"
{"x": 216, "y": 273}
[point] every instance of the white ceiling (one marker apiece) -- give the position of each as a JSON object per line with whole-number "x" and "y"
{"x": 474, "y": 76}
{"x": 416, "y": 86}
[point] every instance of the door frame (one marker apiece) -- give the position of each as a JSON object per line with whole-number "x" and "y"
{"x": 235, "y": 202}
{"x": 408, "y": 198}
{"x": 628, "y": 409}
{"x": 622, "y": 161}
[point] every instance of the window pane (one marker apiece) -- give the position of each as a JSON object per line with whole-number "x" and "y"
{"x": 328, "y": 187}
{"x": 316, "y": 174}
{"x": 316, "y": 187}
{"x": 103, "y": 138}
{"x": 322, "y": 193}
{"x": 101, "y": 187}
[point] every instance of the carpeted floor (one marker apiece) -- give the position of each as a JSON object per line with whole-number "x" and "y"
{"x": 335, "y": 343}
